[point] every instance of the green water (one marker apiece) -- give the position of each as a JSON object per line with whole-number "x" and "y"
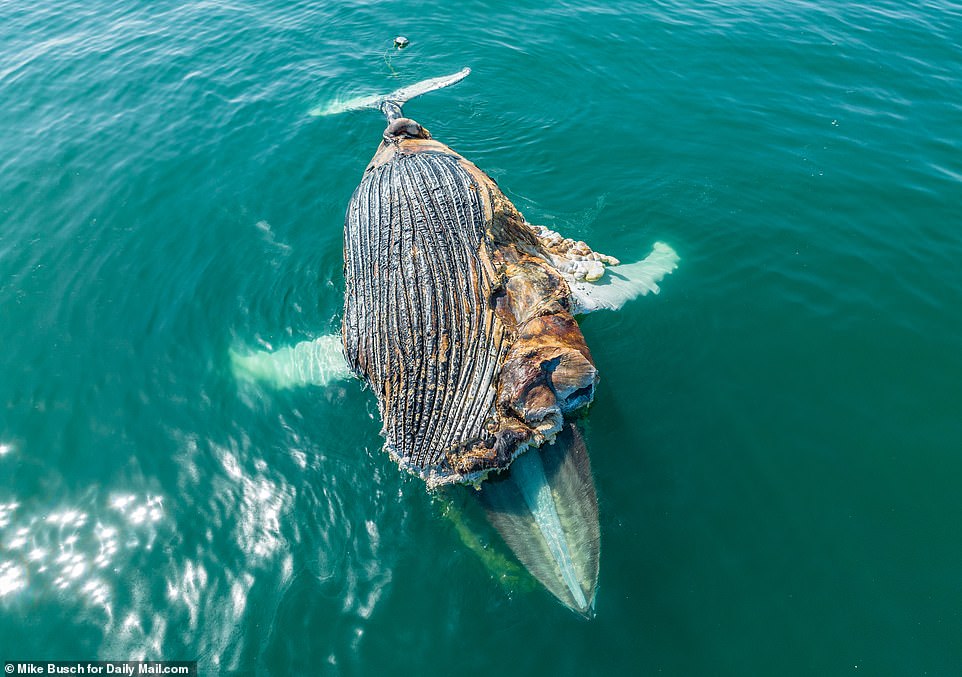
{"x": 777, "y": 438}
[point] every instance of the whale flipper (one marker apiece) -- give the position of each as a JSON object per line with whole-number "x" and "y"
{"x": 318, "y": 363}
{"x": 585, "y": 271}
{"x": 546, "y": 509}
{"x": 624, "y": 283}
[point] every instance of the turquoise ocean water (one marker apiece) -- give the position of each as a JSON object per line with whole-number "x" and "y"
{"x": 777, "y": 438}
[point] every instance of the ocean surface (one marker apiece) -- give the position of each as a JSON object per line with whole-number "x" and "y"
{"x": 777, "y": 436}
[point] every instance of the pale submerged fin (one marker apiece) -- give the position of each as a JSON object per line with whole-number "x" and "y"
{"x": 396, "y": 98}
{"x": 546, "y": 509}
{"x": 318, "y": 363}
{"x": 530, "y": 478}
{"x": 624, "y": 283}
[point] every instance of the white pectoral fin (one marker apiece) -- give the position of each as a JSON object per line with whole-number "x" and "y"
{"x": 318, "y": 362}
{"x": 623, "y": 283}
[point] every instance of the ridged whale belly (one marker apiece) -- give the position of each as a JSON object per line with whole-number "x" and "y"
{"x": 418, "y": 323}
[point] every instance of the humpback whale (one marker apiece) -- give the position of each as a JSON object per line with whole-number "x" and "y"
{"x": 460, "y": 317}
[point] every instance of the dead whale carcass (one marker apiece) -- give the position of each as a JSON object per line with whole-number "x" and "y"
{"x": 454, "y": 315}
{"x": 460, "y": 316}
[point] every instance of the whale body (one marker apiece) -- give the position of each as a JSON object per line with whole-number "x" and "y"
{"x": 460, "y": 317}
{"x": 454, "y": 314}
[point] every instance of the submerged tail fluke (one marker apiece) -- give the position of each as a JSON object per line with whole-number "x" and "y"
{"x": 391, "y": 104}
